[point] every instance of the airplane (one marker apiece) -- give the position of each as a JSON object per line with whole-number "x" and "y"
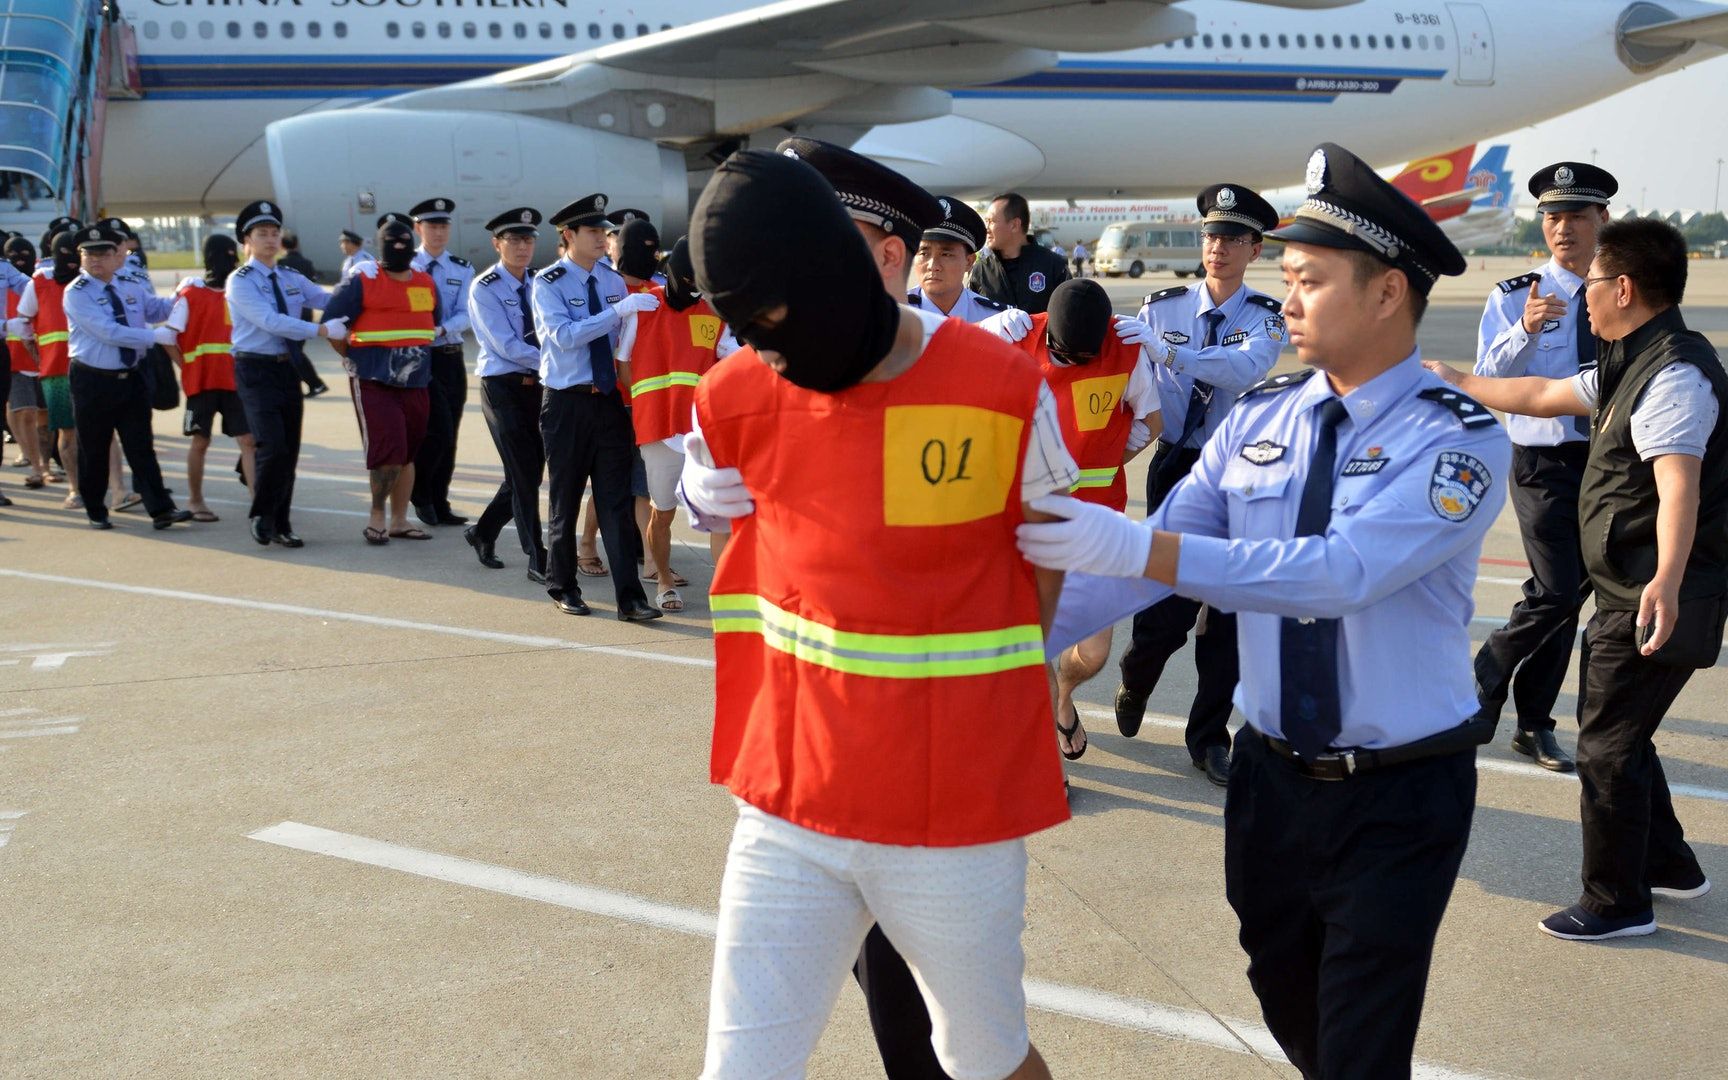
{"x": 343, "y": 109}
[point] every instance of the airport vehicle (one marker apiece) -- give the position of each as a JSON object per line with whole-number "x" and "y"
{"x": 342, "y": 108}
{"x": 1136, "y": 247}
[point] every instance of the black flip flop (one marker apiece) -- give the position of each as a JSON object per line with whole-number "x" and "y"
{"x": 375, "y": 537}
{"x": 1068, "y": 733}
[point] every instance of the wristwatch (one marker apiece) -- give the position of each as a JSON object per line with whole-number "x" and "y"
{"x": 1169, "y": 357}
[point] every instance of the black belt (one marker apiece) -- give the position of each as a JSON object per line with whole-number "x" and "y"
{"x": 280, "y": 358}
{"x": 106, "y": 373}
{"x": 1343, "y": 764}
{"x": 582, "y": 388}
{"x": 447, "y": 349}
{"x": 516, "y": 378}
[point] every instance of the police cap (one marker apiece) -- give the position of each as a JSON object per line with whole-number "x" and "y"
{"x": 520, "y": 220}
{"x": 99, "y": 236}
{"x": 351, "y": 236}
{"x": 588, "y": 210}
{"x": 1571, "y": 185}
{"x": 119, "y": 225}
{"x": 253, "y": 214}
{"x": 1234, "y": 210}
{"x": 394, "y": 216}
{"x": 1351, "y": 207}
{"x": 438, "y": 209}
{"x": 959, "y": 222}
{"x": 617, "y": 219}
{"x": 870, "y": 192}
{"x": 63, "y": 224}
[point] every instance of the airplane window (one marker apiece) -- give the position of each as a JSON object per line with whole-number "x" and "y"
{"x": 594, "y": 30}
{"x": 313, "y": 29}
{"x": 443, "y": 29}
{"x": 206, "y": 29}
{"x": 1439, "y": 42}
{"x": 1283, "y": 41}
{"x": 1187, "y": 43}
{"x": 392, "y": 30}
{"x": 233, "y": 29}
{"x": 1406, "y": 41}
{"x": 545, "y": 29}
{"x": 1337, "y": 41}
{"x": 1170, "y": 44}
{"x": 1355, "y": 42}
{"x": 617, "y": 30}
{"x": 340, "y": 29}
{"x": 521, "y": 30}
{"x": 177, "y": 30}
{"x": 1422, "y": 41}
{"x": 1301, "y": 41}
{"x": 495, "y": 30}
{"x": 260, "y": 29}
{"x": 470, "y": 30}
{"x": 1265, "y": 41}
{"x": 641, "y": 29}
{"x": 665, "y": 26}
{"x": 150, "y": 31}
{"x": 1206, "y": 40}
{"x": 1319, "y": 41}
{"x": 1372, "y": 43}
{"x": 418, "y": 29}
{"x": 569, "y": 31}
{"x": 287, "y": 29}
{"x": 1226, "y": 41}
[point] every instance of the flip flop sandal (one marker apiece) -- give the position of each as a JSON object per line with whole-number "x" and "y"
{"x": 411, "y": 534}
{"x": 669, "y": 600}
{"x": 678, "y": 579}
{"x": 34, "y": 481}
{"x": 134, "y": 499}
{"x": 376, "y": 537}
{"x": 204, "y": 515}
{"x": 73, "y": 502}
{"x": 1068, "y": 734}
{"x": 590, "y": 566}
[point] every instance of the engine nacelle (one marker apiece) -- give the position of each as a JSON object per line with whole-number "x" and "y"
{"x": 342, "y": 169}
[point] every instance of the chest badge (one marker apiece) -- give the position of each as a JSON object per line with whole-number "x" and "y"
{"x": 1175, "y": 337}
{"x": 1035, "y": 281}
{"x": 1264, "y": 452}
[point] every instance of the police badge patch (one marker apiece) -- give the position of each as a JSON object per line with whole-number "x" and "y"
{"x": 1264, "y": 452}
{"x": 1035, "y": 281}
{"x": 1175, "y": 337}
{"x": 1235, "y": 339}
{"x": 1275, "y": 328}
{"x": 1550, "y": 326}
{"x": 1457, "y": 486}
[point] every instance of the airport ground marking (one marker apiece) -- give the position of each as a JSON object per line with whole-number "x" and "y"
{"x": 1078, "y": 1002}
{"x": 53, "y": 656}
{"x": 8, "y": 821}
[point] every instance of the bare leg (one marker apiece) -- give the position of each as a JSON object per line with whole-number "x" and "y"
{"x": 1073, "y": 669}
{"x": 644, "y": 509}
{"x": 27, "y": 429}
{"x": 195, "y": 453}
{"x": 383, "y": 484}
{"x": 659, "y": 534}
{"x": 400, "y": 490}
{"x": 1033, "y": 1068}
{"x": 248, "y": 457}
{"x": 585, "y": 546}
{"x": 69, "y": 460}
{"x": 717, "y": 544}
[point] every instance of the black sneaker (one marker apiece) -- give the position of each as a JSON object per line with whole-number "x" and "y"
{"x": 1686, "y": 891}
{"x": 1578, "y": 924}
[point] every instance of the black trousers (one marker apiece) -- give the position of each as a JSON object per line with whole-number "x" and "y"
{"x": 1340, "y": 887}
{"x": 588, "y": 437}
{"x": 511, "y": 406}
{"x": 436, "y": 462}
{"x": 269, "y": 389}
{"x": 1528, "y": 656}
{"x": 105, "y": 404}
{"x": 304, "y": 369}
{"x": 1162, "y": 629}
{"x": 1632, "y": 839}
{"x": 898, "y": 1016}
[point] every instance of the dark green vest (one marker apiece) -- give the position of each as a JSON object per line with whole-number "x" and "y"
{"x": 1617, "y": 503}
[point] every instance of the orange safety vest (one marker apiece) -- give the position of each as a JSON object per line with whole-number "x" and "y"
{"x": 206, "y": 344}
{"x": 22, "y": 358}
{"x": 672, "y": 350}
{"x": 52, "y": 332}
{"x": 624, "y": 391}
{"x": 909, "y": 710}
{"x": 394, "y": 314}
{"x": 1091, "y": 402}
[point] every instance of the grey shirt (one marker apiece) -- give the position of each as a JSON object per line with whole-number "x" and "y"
{"x": 1674, "y": 415}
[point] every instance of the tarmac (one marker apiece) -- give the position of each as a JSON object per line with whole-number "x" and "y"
{"x": 353, "y": 812}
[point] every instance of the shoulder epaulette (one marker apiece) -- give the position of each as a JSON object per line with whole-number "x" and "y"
{"x": 80, "y": 282}
{"x": 1469, "y": 413}
{"x": 488, "y": 277}
{"x": 552, "y": 273}
{"x": 913, "y": 297}
{"x": 1267, "y": 302}
{"x": 460, "y": 261}
{"x": 1174, "y": 290}
{"x": 1522, "y": 281}
{"x": 986, "y": 302}
{"x": 243, "y": 271}
{"x": 1279, "y": 382}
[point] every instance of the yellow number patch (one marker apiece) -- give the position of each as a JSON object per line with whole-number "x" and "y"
{"x": 1096, "y": 400}
{"x": 419, "y": 298}
{"x": 947, "y": 464}
{"x": 704, "y": 331}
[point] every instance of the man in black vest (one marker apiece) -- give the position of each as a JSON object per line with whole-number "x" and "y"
{"x": 1653, "y": 510}
{"x": 1017, "y": 272}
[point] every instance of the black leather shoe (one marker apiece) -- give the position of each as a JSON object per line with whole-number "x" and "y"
{"x": 314, "y": 391}
{"x": 483, "y": 549}
{"x": 170, "y": 517}
{"x": 447, "y": 516}
{"x": 1541, "y": 745}
{"x": 426, "y": 512}
{"x": 1130, "y": 710}
{"x": 289, "y": 540}
{"x": 638, "y": 612}
{"x": 262, "y": 532}
{"x": 572, "y": 605}
{"x": 1216, "y": 765}
{"x": 538, "y": 577}
{"x": 101, "y": 525}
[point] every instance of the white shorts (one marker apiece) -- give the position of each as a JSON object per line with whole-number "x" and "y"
{"x": 664, "y": 466}
{"x": 794, "y": 908}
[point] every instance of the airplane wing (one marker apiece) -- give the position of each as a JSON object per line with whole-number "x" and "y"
{"x": 851, "y": 64}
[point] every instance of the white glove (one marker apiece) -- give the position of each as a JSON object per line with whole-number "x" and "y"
{"x": 1134, "y": 331}
{"x": 712, "y": 492}
{"x": 1092, "y": 540}
{"x": 636, "y": 301}
{"x": 164, "y": 335}
{"x": 365, "y": 268}
{"x": 336, "y": 329}
{"x": 1011, "y": 325}
{"x": 20, "y": 327}
{"x": 1139, "y": 436}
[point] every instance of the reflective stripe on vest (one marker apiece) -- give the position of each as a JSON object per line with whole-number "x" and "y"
{"x": 391, "y": 337}
{"x": 664, "y": 382}
{"x": 52, "y": 337}
{"x": 1095, "y": 478}
{"x": 888, "y": 656}
{"x": 215, "y": 348}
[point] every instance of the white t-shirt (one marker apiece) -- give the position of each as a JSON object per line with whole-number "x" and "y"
{"x": 1674, "y": 415}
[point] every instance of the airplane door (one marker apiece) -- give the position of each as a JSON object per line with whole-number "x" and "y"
{"x": 1475, "y": 39}
{"x": 488, "y": 174}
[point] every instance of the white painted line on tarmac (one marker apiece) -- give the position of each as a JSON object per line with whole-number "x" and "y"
{"x": 1080, "y": 1002}
{"x": 528, "y": 640}
{"x": 33, "y": 732}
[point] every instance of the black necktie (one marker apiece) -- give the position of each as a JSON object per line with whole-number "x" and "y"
{"x": 528, "y": 333}
{"x": 1200, "y": 398}
{"x": 296, "y": 349}
{"x": 128, "y": 357}
{"x": 1310, "y": 705}
{"x": 600, "y": 349}
{"x": 1586, "y": 351}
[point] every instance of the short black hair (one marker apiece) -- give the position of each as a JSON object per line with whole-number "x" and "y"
{"x": 1017, "y": 207}
{"x": 1366, "y": 264}
{"x": 290, "y": 239}
{"x": 1652, "y": 253}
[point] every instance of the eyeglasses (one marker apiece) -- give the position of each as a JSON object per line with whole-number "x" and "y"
{"x": 1593, "y": 280}
{"x": 1218, "y": 240}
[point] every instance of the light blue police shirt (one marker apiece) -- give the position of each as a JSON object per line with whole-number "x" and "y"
{"x": 1504, "y": 349}
{"x": 258, "y": 326}
{"x": 499, "y": 319}
{"x": 451, "y": 275}
{"x": 94, "y": 336}
{"x": 970, "y": 307}
{"x": 566, "y": 326}
{"x": 1249, "y": 339}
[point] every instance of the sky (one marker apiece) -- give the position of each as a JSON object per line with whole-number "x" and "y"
{"x": 1662, "y": 137}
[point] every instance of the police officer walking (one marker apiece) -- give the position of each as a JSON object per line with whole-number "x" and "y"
{"x": 1209, "y": 342}
{"x": 509, "y": 370}
{"x": 267, "y": 304}
{"x": 1018, "y": 272}
{"x": 451, "y": 274}
{"x": 1340, "y": 511}
{"x": 946, "y": 253}
{"x": 578, "y": 309}
{"x": 353, "y": 251}
{"x": 1539, "y": 324}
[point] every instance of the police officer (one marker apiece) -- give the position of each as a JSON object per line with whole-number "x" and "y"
{"x": 1017, "y": 272}
{"x": 1209, "y": 342}
{"x": 353, "y": 251}
{"x": 509, "y": 370}
{"x": 1539, "y": 324}
{"x": 106, "y": 315}
{"x": 452, "y": 275}
{"x": 268, "y": 304}
{"x": 946, "y": 253}
{"x": 578, "y": 308}
{"x": 1340, "y": 512}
